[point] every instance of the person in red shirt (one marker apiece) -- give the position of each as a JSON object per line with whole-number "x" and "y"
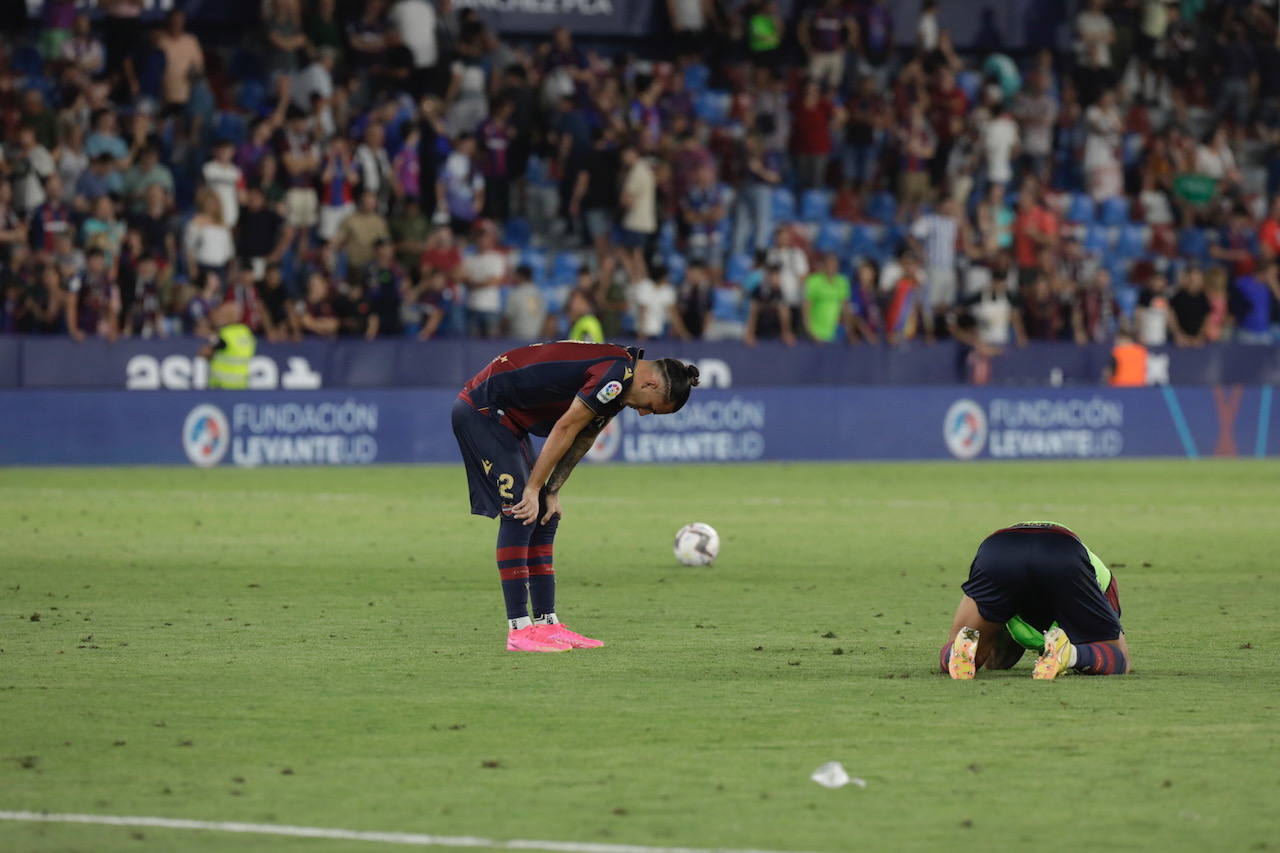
{"x": 1034, "y": 229}
{"x": 1269, "y": 233}
{"x": 442, "y": 254}
{"x": 812, "y": 117}
{"x": 947, "y": 108}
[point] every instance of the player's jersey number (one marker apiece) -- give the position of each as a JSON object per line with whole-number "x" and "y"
{"x": 505, "y": 482}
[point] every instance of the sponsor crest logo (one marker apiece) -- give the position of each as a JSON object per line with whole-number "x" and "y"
{"x": 964, "y": 428}
{"x": 206, "y": 435}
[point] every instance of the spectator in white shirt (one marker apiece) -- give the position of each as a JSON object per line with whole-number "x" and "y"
{"x": 484, "y": 273}
{"x": 224, "y": 177}
{"x": 1000, "y": 141}
{"x": 526, "y": 312}
{"x": 938, "y": 234}
{"x": 793, "y": 264}
{"x": 373, "y": 165}
{"x": 653, "y": 300}
{"x": 1037, "y": 112}
{"x": 208, "y": 241}
{"x": 415, "y": 22}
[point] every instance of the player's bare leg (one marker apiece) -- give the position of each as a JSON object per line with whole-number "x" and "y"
{"x": 970, "y": 642}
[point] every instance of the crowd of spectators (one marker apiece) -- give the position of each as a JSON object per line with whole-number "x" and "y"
{"x": 392, "y": 168}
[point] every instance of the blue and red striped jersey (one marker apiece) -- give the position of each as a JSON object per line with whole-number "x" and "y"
{"x": 529, "y": 388}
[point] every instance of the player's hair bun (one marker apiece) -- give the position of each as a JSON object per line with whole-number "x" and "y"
{"x": 680, "y": 378}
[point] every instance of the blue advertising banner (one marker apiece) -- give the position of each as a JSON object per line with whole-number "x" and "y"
{"x": 250, "y": 429}
{"x": 310, "y": 365}
{"x": 581, "y": 17}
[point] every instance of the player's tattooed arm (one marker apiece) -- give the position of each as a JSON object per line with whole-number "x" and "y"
{"x": 586, "y": 438}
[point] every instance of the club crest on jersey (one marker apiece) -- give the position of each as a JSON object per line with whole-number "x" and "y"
{"x": 609, "y": 391}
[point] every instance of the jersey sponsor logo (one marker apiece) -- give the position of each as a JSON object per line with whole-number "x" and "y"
{"x": 627, "y": 373}
{"x": 206, "y": 435}
{"x": 609, "y": 392}
{"x": 487, "y": 465}
{"x": 964, "y": 429}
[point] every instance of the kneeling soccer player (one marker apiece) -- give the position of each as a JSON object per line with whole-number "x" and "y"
{"x": 1036, "y": 586}
{"x": 566, "y": 391}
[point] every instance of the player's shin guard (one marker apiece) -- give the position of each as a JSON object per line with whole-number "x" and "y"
{"x": 1101, "y": 659}
{"x": 542, "y": 575}
{"x": 513, "y": 568}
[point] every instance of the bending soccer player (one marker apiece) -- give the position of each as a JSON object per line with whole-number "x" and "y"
{"x": 1036, "y": 586}
{"x": 566, "y": 391}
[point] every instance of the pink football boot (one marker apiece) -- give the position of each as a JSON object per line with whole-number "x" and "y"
{"x": 528, "y": 640}
{"x": 560, "y": 634}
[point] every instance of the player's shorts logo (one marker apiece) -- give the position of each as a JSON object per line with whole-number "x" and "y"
{"x": 609, "y": 391}
{"x": 965, "y": 429}
{"x": 206, "y": 435}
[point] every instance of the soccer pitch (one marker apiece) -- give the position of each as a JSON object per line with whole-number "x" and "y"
{"x": 324, "y": 648}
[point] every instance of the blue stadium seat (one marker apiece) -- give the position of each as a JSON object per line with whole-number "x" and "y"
{"x": 1081, "y": 208}
{"x": 696, "y": 77}
{"x": 1097, "y": 239}
{"x": 565, "y": 265}
{"x": 815, "y": 205}
{"x": 517, "y": 233}
{"x": 865, "y": 239}
{"x": 1194, "y": 243}
{"x": 252, "y": 97}
{"x": 536, "y": 261}
{"x": 727, "y": 304}
{"x": 737, "y": 269}
{"x": 556, "y": 295}
{"x": 667, "y": 238}
{"x": 230, "y": 126}
{"x": 833, "y": 236}
{"x": 784, "y": 205}
{"x": 1126, "y": 299}
{"x": 893, "y": 238}
{"x": 712, "y": 106}
{"x": 676, "y": 266}
{"x": 883, "y": 207}
{"x": 1132, "y": 240}
{"x": 1114, "y": 211}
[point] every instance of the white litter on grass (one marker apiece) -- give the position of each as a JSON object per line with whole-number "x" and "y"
{"x": 833, "y": 775}
{"x": 405, "y": 838}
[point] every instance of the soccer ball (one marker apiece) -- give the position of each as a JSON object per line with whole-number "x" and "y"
{"x": 697, "y": 544}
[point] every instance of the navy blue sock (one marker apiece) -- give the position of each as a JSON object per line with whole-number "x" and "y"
{"x": 513, "y": 567}
{"x": 1100, "y": 659}
{"x": 542, "y": 575}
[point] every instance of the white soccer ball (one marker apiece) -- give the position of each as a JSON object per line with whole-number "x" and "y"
{"x": 697, "y": 544}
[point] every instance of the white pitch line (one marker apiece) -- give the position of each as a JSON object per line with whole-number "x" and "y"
{"x": 406, "y": 838}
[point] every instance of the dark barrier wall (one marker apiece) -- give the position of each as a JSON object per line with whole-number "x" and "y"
{"x": 406, "y": 426}
{"x": 151, "y": 365}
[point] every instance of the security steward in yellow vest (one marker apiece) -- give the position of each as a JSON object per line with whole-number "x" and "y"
{"x": 230, "y": 352}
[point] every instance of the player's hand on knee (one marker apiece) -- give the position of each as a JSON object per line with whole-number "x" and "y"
{"x": 527, "y": 509}
{"x": 551, "y": 507}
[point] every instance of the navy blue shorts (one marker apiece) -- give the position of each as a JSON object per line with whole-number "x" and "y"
{"x": 497, "y": 461}
{"x": 1044, "y": 577}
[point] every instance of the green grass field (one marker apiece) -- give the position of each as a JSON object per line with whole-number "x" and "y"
{"x": 323, "y": 647}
